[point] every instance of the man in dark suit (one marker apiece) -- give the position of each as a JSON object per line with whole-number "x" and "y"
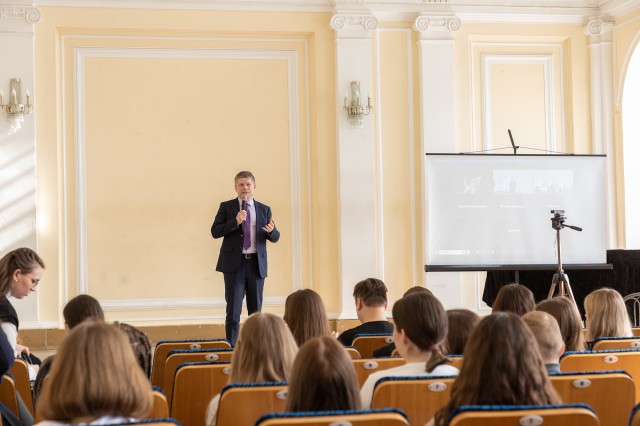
{"x": 246, "y": 225}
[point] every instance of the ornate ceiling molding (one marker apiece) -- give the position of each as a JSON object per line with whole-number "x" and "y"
{"x": 345, "y": 21}
{"x": 437, "y": 22}
{"x": 18, "y": 18}
{"x": 598, "y": 26}
{"x": 476, "y": 10}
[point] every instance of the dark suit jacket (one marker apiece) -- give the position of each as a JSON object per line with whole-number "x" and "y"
{"x": 225, "y": 225}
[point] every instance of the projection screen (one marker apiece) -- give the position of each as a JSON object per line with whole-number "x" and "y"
{"x": 486, "y": 212}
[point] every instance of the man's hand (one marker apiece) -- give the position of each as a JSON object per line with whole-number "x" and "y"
{"x": 241, "y": 216}
{"x": 22, "y": 350}
{"x": 269, "y": 227}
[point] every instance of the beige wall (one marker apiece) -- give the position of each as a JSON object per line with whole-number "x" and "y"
{"x": 146, "y": 115}
{"x": 149, "y": 115}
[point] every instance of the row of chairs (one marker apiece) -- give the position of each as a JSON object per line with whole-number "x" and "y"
{"x": 612, "y": 394}
{"x": 621, "y": 359}
{"x": 363, "y": 347}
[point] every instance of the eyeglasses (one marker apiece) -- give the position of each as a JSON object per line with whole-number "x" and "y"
{"x": 34, "y": 283}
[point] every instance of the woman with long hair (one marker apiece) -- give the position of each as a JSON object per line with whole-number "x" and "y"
{"x": 462, "y": 322}
{"x": 514, "y": 298}
{"x": 305, "y": 315}
{"x": 504, "y": 367}
{"x": 606, "y": 315}
{"x": 420, "y": 327}
{"x": 323, "y": 378}
{"x": 20, "y": 274}
{"x": 568, "y": 317}
{"x": 95, "y": 379}
{"x": 264, "y": 352}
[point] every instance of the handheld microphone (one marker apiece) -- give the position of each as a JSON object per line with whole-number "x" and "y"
{"x": 243, "y": 197}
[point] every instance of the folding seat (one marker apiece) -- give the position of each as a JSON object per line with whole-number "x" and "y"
{"x": 418, "y": 397}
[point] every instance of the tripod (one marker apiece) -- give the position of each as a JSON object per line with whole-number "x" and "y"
{"x": 560, "y": 278}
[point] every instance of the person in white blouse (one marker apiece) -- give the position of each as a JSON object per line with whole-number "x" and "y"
{"x": 420, "y": 326}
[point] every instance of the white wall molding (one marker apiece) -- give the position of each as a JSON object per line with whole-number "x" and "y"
{"x": 437, "y": 27}
{"x": 356, "y": 159}
{"x": 16, "y": 18}
{"x": 349, "y": 25}
{"x": 80, "y": 55}
{"x": 437, "y": 121}
{"x": 599, "y": 29}
{"x": 178, "y": 303}
{"x": 550, "y": 114}
{"x": 534, "y": 11}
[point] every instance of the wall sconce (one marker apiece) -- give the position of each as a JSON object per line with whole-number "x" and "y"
{"x": 15, "y": 108}
{"x": 355, "y": 110}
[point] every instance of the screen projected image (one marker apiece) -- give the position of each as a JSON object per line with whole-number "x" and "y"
{"x": 495, "y": 210}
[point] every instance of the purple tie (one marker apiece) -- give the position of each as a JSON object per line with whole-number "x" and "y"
{"x": 246, "y": 226}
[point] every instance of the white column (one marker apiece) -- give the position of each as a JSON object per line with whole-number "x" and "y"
{"x": 437, "y": 117}
{"x": 602, "y": 111}
{"x": 17, "y": 147}
{"x": 356, "y": 173}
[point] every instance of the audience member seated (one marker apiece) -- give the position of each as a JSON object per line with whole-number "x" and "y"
{"x": 140, "y": 344}
{"x": 501, "y": 367}
{"x": 77, "y": 310}
{"x": 322, "y": 378}
{"x": 305, "y": 315}
{"x": 568, "y": 318}
{"x": 20, "y": 274}
{"x": 6, "y": 362}
{"x": 371, "y": 303}
{"x": 264, "y": 352}
{"x": 546, "y": 331}
{"x": 514, "y": 298}
{"x": 95, "y": 380}
{"x": 606, "y": 315}
{"x": 420, "y": 326}
{"x": 462, "y": 322}
{"x": 388, "y": 350}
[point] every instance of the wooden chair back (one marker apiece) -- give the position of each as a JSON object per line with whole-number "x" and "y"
{"x": 550, "y": 415}
{"x": 160, "y": 405}
{"x": 20, "y": 373}
{"x": 243, "y": 404}
{"x": 353, "y": 352}
{"x": 165, "y": 346}
{"x": 455, "y": 361}
{"x": 366, "y": 344}
{"x": 635, "y": 416}
{"x": 178, "y": 357}
{"x": 364, "y": 367}
{"x": 151, "y": 422}
{"x": 195, "y": 386}
{"x": 418, "y": 397}
{"x": 627, "y": 360}
{"x": 609, "y": 343}
{"x": 386, "y": 417}
{"x": 612, "y": 394}
{"x": 8, "y": 394}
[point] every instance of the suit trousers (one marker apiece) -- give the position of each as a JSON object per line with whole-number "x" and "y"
{"x": 246, "y": 280}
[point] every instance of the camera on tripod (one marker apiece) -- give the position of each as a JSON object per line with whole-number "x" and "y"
{"x": 557, "y": 221}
